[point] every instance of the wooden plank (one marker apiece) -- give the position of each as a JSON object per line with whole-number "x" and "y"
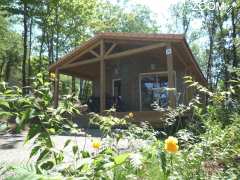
{"x": 172, "y": 98}
{"x": 80, "y": 63}
{"x": 102, "y": 78}
{"x": 116, "y": 55}
{"x": 194, "y": 62}
{"x": 110, "y": 49}
{"x": 94, "y": 53}
{"x": 80, "y": 54}
{"x": 80, "y": 75}
{"x": 56, "y": 89}
{"x": 135, "y": 51}
{"x": 179, "y": 57}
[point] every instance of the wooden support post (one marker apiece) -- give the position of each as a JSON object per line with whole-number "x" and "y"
{"x": 171, "y": 84}
{"x": 56, "y": 89}
{"x": 186, "y": 88}
{"x": 73, "y": 86}
{"x": 110, "y": 49}
{"x": 102, "y": 78}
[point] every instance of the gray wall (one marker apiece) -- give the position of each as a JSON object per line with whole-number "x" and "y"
{"x": 129, "y": 70}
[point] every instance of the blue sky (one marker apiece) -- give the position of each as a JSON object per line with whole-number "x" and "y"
{"x": 161, "y": 12}
{"x": 160, "y": 8}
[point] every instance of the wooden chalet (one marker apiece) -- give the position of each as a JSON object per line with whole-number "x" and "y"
{"x": 132, "y": 71}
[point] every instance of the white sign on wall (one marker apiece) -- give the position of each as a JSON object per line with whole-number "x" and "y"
{"x": 168, "y": 51}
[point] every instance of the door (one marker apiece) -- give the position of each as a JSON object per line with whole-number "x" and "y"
{"x": 153, "y": 90}
{"x": 116, "y": 89}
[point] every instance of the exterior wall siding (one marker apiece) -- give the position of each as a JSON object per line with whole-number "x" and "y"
{"x": 128, "y": 70}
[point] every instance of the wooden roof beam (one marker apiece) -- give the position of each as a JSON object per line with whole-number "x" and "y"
{"x": 82, "y": 53}
{"x": 79, "y": 75}
{"x": 194, "y": 62}
{"x": 80, "y": 63}
{"x": 135, "y": 51}
{"x": 116, "y": 55}
{"x": 94, "y": 53}
{"x": 110, "y": 49}
{"x": 179, "y": 57}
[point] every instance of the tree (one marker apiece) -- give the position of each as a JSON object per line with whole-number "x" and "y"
{"x": 22, "y": 9}
{"x": 114, "y": 18}
{"x": 10, "y": 52}
{"x": 183, "y": 15}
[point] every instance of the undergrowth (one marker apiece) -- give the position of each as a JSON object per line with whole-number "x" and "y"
{"x": 206, "y": 147}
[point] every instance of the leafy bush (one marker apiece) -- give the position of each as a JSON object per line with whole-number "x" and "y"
{"x": 209, "y": 153}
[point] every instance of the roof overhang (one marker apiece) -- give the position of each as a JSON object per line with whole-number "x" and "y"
{"x": 130, "y": 38}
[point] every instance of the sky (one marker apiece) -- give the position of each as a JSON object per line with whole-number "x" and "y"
{"x": 160, "y": 9}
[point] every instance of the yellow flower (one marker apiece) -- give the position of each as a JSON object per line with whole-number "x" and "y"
{"x": 96, "y": 144}
{"x": 171, "y": 144}
{"x": 52, "y": 76}
{"x": 130, "y": 115}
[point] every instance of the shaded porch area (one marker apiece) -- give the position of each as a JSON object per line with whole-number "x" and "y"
{"x": 119, "y": 74}
{"x": 131, "y": 72}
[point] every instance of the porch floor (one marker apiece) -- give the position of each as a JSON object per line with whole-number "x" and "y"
{"x": 153, "y": 117}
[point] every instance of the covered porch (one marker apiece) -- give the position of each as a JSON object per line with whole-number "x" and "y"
{"x": 129, "y": 71}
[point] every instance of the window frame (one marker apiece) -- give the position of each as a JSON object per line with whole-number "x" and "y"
{"x": 161, "y": 73}
{"x": 113, "y": 81}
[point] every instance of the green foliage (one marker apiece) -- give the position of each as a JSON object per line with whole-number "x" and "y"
{"x": 35, "y": 111}
{"x": 116, "y": 18}
{"x": 106, "y": 123}
{"x": 209, "y": 154}
{"x": 10, "y": 51}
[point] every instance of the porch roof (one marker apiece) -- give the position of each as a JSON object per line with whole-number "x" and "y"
{"x": 177, "y": 40}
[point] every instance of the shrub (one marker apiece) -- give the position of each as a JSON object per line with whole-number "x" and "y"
{"x": 209, "y": 153}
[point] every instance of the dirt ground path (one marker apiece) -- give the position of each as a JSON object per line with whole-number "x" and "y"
{"x": 13, "y": 150}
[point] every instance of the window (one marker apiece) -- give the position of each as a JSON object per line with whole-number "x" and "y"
{"x": 153, "y": 90}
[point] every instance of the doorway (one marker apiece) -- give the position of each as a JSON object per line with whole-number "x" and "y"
{"x": 116, "y": 87}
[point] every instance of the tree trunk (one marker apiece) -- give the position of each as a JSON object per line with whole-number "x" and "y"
{"x": 81, "y": 89}
{"x": 223, "y": 52}
{"x": 52, "y": 45}
{"x": 25, "y": 30}
{"x": 48, "y": 48}
{"x": 1, "y": 70}
{"x": 234, "y": 52}
{"x": 73, "y": 86}
{"x": 57, "y": 32}
{"x": 41, "y": 47}
{"x": 7, "y": 70}
{"x": 209, "y": 66}
{"x": 30, "y": 52}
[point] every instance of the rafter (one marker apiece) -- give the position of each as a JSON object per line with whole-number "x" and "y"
{"x": 82, "y": 53}
{"x": 179, "y": 57}
{"x": 79, "y": 75}
{"x": 94, "y": 53}
{"x": 135, "y": 51}
{"x": 110, "y": 49}
{"x": 116, "y": 55}
{"x": 83, "y": 62}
